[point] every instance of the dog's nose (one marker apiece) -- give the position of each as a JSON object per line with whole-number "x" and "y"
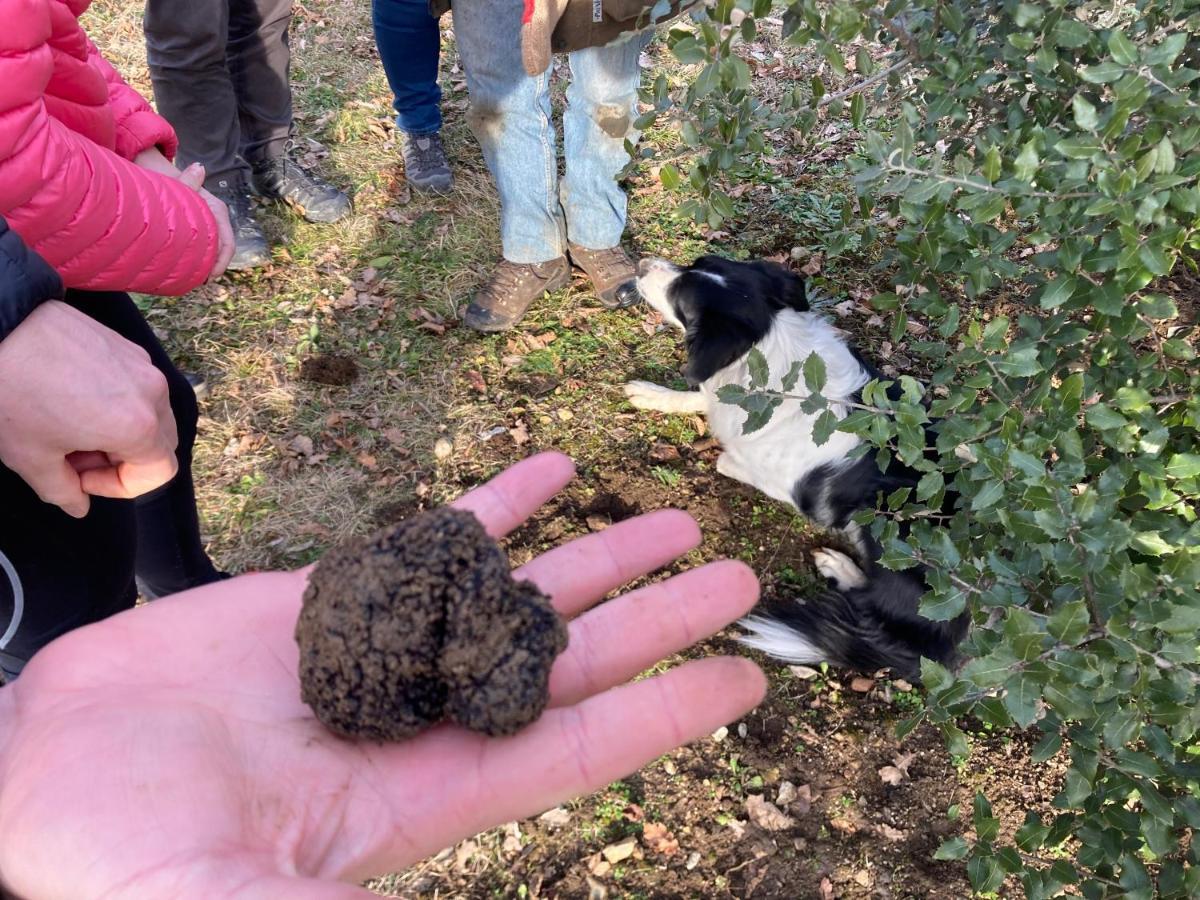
{"x": 645, "y": 264}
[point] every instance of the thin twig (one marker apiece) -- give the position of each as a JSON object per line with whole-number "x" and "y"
{"x": 865, "y": 83}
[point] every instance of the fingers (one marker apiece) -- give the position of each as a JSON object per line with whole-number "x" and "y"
{"x": 628, "y": 635}
{"x": 579, "y": 749}
{"x": 512, "y": 496}
{"x": 58, "y": 483}
{"x": 272, "y": 887}
{"x": 130, "y": 479}
{"x": 193, "y": 176}
{"x": 578, "y": 574}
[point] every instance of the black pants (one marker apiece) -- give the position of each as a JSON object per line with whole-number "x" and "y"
{"x": 58, "y": 573}
{"x": 220, "y": 75}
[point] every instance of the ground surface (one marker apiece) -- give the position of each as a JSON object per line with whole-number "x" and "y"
{"x": 297, "y": 451}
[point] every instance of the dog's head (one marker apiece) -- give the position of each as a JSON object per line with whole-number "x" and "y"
{"x": 723, "y": 307}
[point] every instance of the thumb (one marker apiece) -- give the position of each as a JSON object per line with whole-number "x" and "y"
{"x": 193, "y": 176}
{"x": 58, "y": 484}
{"x": 130, "y": 479}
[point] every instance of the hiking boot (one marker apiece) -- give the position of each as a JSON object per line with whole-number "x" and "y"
{"x": 503, "y": 299}
{"x": 313, "y": 197}
{"x": 425, "y": 164}
{"x": 612, "y": 273}
{"x": 250, "y": 248}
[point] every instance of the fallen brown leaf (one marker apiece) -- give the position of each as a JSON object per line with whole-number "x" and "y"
{"x": 766, "y": 815}
{"x": 814, "y": 264}
{"x": 659, "y": 840}
{"x": 475, "y": 379}
{"x": 301, "y": 444}
{"x": 367, "y": 461}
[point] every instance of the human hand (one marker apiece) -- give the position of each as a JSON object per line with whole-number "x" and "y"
{"x": 82, "y": 411}
{"x": 166, "y": 752}
{"x": 193, "y": 177}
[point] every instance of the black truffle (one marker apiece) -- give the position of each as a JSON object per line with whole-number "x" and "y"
{"x": 422, "y": 622}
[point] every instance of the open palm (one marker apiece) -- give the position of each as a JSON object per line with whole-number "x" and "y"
{"x": 166, "y": 753}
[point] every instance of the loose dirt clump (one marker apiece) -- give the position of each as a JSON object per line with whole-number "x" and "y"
{"x": 423, "y": 622}
{"x": 329, "y": 368}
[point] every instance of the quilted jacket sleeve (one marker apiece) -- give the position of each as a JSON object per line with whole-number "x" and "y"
{"x": 101, "y": 221}
{"x": 26, "y": 281}
{"x": 138, "y": 126}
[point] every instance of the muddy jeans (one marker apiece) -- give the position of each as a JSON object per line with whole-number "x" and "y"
{"x": 220, "y": 75}
{"x": 510, "y": 116}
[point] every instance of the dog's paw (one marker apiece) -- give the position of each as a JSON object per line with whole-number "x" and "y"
{"x": 839, "y": 568}
{"x": 645, "y": 395}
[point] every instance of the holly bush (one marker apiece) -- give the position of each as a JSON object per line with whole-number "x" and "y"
{"x": 1029, "y": 174}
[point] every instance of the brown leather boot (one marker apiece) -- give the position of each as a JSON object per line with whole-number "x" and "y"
{"x": 612, "y": 273}
{"x": 503, "y": 299}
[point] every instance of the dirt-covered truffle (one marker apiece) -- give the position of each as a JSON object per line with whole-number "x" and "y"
{"x": 422, "y": 622}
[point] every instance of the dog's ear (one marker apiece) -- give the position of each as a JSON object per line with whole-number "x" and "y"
{"x": 787, "y": 288}
{"x": 715, "y": 338}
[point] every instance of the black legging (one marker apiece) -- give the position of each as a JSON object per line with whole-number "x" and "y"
{"x": 58, "y": 573}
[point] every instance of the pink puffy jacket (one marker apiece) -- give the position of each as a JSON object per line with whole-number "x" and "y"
{"x": 69, "y": 128}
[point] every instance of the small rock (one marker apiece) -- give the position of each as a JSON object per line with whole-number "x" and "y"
{"x": 804, "y": 673}
{"x": 442, "y": 449}
{"x": 598, "y": 865}
{"x": 720, "y": 734}
{"x": 863, "y": 878}
{"x": 693, "y": 860}
{"x": 902, "y": 686}
{"x": 862, "y": 685}
{"x": 622, "y": 850}
{"x": 826, "y": 889}
{"x": 512, "y": 838}
{"x": 669, "y": 767}
{"x": 787, "y": 795}
{"x": 555, "y": 818}
{"x": 742, "y": 730}
{"x": 566, "y": 415}
{"x": 766, "y": 815}
{"x": 596, "y": 891}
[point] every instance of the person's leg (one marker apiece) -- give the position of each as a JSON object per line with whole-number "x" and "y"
{"x": 170, "y": 554}
{"x": 260, "y": 66}
{"x": 601, "y": 109}
{"x": 186, "y": 44}
{"x": 185, "y": 50}
{"x": 409, "y": 43}
{"x": 510, "y": 117}
{"x": 58, "y": 573}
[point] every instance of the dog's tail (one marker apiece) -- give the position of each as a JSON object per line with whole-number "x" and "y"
{"x": 831, "y": 627}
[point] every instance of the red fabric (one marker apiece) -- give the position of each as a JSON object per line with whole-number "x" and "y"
{"x": 527, "y": 16}
{"x": 69, "y": 128}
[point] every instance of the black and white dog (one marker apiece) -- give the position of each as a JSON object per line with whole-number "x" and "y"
{"x": 868, "y": 618}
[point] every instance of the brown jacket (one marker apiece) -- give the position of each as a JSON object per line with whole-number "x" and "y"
{"x": 578, "y": 28}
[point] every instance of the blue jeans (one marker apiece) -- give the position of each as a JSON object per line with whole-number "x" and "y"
{"x": 510, "y": 117}
{"x": 409, "y": 43}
